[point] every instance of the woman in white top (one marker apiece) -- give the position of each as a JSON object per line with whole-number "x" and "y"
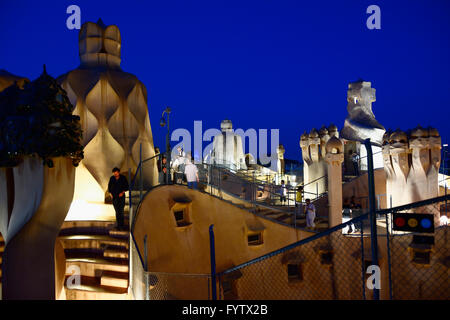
{"x": 191, "y": 172}
{"x": 310, "y": 211}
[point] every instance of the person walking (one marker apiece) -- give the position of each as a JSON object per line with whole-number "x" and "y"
{"x": 117, "y": 187}
{"x": 283, "y": 192}
{"x": 191, "y": 172}
{"x": 310, "y": 211}
{"x": 355, "y": 160}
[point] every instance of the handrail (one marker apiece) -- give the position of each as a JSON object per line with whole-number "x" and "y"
{"x": 315, "y": 180}
{"x": 256, "y": 185}
{"x": 414, "y": 205}
{"x": 135, "y": 175}
{"x": 372, "y": 154}
{"x": 156, "y": 155}
{"x": 137, "y": 249}
{"x": 133, "y": 180}
{"x": 262, "y": 185}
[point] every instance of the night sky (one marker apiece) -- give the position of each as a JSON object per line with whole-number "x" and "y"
{"x": 263, "y": 64}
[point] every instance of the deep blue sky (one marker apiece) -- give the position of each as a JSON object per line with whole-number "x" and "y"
{"x": 262, "y": 64}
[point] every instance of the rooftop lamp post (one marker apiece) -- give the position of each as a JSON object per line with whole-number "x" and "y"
{"x": 162, "y": 123}
{"x": 444, "y": 158}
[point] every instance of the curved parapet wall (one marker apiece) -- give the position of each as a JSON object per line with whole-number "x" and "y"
{"x": 183, "y": 247}
{"x": 112, "y": 105}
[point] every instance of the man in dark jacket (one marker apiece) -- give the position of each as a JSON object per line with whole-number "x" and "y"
{"x": 117, "y": 186}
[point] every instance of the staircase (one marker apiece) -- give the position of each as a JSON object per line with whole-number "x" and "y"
{"x": 101, "y": 252}
{"x": 229, "y": 184}
{"x": 286, "y": 216}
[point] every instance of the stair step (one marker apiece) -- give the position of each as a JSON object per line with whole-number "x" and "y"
{"x": 119, "y": 233}
{"x": 289, "y": 220}
{"x": 104, "y": 230}
{"x": 283, "y": 217}
{"x": 263, "y": 210}
{"x": 83, "y": 253}
{"x": 276, "y": 216}
{"x": 94, "y": 254}
{"x": 114, "y": 279}
{"x": 89, "y": 224}
{"x": 115, "y": 253}
{"x": 92, "y": 241}
{"x": 92, "y": 267}
{"x": 272, "y": 213}
{"x": 91, "y": 289}
{"x": 85, "y": 231}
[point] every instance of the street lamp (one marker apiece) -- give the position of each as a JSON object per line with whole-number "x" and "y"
{"x": 163, "y": 123}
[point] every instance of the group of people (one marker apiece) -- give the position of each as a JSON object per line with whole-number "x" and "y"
{"x": 308, "y": 208}
{"x": 183, "y": 169}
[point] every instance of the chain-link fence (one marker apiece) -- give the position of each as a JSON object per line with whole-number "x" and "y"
{"x": 178, "y": 286}
{"x": 326, "y": 266}
{"x": 420, "y": 262}
{"x": 419, "y": 270}
{"x": 334, "y": 264}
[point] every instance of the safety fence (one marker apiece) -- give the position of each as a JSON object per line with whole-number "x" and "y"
{"x": 329, "y": 265}
{"x": 178, "y": 286}
{"x": 419, "y": 270}
{"x": 338, "y": 264}
{"x": 419, "y": 262}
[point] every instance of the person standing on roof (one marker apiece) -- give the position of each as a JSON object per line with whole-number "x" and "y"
{"x": 191, "y": 172}
{"x": 117, "y": 187}
{"x": 310, "y": 211}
